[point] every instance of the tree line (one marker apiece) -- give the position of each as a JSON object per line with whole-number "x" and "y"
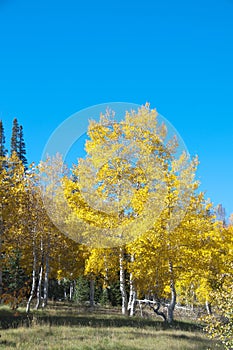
{"x": 145, "y": 233}
{"x": 17, "y": 144}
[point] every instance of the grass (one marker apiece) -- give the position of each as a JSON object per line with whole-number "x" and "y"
{"x": 72, "y": 328}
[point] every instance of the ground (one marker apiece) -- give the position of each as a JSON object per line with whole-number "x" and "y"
{"x": 69, "y": 327}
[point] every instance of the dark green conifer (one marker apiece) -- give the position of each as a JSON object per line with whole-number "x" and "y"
{"x": 3, "y": 150}
{"x": 22, "y": 147}
{"x": 15, "y": 137}
{"x": 17, "y": 142}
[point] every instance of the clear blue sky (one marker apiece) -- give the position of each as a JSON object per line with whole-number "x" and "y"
{"x": 58, "y": 57}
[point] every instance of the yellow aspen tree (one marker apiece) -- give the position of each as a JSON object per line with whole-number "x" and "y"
{"x": 120, "y": 188}
{"x": 13, "y": 194}
{"x": 211, "y": 257}
{"x": 220, "y": 322}
{"x": 4, "y": 188}
{"x": 61, "y": 257}
{"x": 161, "y": 253}
{"x": 102, "y": 264}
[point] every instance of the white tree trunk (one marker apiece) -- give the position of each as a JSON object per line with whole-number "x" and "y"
{"x": 132, "y": 293}
{"x": 71, "y": 290}
{"x": 46, "y": 281}
{"x": 38, "y": 292}
{"x": 122, "y": 282}
{"x": 208, "y": 308}
{"x": 65, "y": 294}
{"x": 172, "y": 304}
{"x": 33, "y": 288}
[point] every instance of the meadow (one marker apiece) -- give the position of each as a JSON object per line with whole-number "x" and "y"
{"x": 69, "y": 327}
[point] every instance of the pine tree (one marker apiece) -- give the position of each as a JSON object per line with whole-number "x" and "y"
{"x": 14, "y": 137}
{"x": 22, "y": 147}
{"x": 3, "y": 150}
{"x": 17, "y": 142}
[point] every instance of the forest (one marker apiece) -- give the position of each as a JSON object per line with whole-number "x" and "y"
{"x": 127, "y": 226}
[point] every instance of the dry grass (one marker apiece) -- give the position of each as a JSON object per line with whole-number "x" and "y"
{"x": 69, "y": 329}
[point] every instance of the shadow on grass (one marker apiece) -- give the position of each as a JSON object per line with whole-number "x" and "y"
{"x": 4, "y": 343}
{"x": 92, "y": 320}
{"x": 116, "y": 321}
{"x": 13, "y": 318}
{"x": 88, "y": 318}
{"x": 197, "y": 342}
{"x": 186, "y": 337}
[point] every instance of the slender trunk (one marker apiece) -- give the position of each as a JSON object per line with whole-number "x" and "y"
{"x": 38, "y": 292}
{"x": 132, "y": 293}
{"x": 157, "y": 309}
{"x": 92, "y": 292}
{"x": 140, "y": 306}
{"x": 33, "y": 288}
{"x": 46, "y": 281}
{"x": 71, "y": 290}
{"x": 172, "y": 304}
{"x": 154, "y": 305}
{"x": 208, "y": 307}
{"x": 122, "y": 282}
{"x": 105, "y": 294}
{"x": 46, "y": 275}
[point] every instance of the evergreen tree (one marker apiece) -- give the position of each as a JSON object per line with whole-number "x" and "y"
{"x": 14, "y": 137}
{"x": 3, "y": 150}
{"x": 82, "y": 290}
{"x": 17, "y": 142}
{"x": 22, "y": 147}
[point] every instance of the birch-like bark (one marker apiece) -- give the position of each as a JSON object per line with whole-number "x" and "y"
{"x": 208, "y": 308}
{"x": 38, "y": 292}
{"x": 172, "y": 304}
{"x": 71, "y": 290}
{"x": 154, "y": 305}
{"x": 46, "y": 275}
{"x": 122, "y": 282}
{"x": 33, "y": 288}
{"x": 132, "y": 293}
{"x": 46, "y": 281}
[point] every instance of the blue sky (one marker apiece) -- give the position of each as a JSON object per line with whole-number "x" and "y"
{"x": 58, "y": 57}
